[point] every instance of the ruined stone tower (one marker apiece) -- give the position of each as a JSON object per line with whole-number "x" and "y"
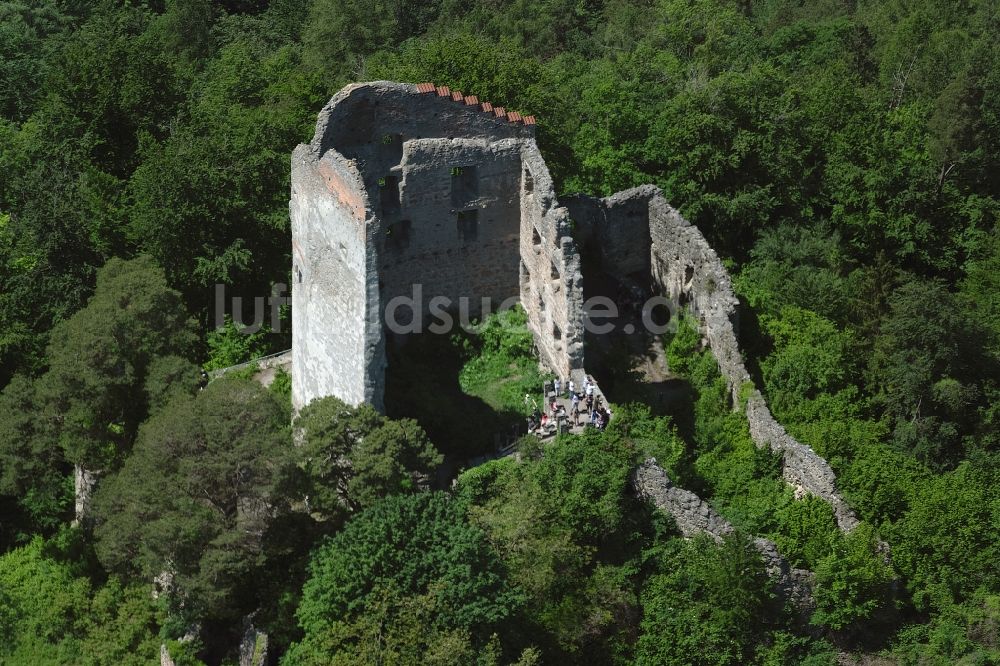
{"x": 415, "y": 188}
{"x": 420, "y": 192}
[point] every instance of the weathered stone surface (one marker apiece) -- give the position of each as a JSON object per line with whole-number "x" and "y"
{"x": 412, "y": 192}
{"x": 408, "y": 185}
{"x": 689, "y": 272}
{"x": 694, "y": 516}
{"x": 84, "y": 484}
{"x": 253, "y": 645}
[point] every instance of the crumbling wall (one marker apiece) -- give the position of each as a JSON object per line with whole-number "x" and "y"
{"x": 617, "y": 227}
{"x": 426, "y": 239}
{"x": 689, "y": 272}
{"x": 551, "y": 281}
{"x": 408, "y": 185}
{"x": 694, "y": 516}
{"x": 361, "y": 114}
{"x": 331, "y": 281}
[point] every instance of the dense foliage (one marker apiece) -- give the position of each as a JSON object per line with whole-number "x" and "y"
{"x": 841, "y": 156}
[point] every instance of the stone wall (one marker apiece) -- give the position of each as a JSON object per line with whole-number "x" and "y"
{"x": 689, "y": 272}
{"x": 330, "y": 217}
{"x": 425, "y": 237}
{"x": 617, "y": 227}
{"x": 551, "y": 281}
{"x": 694, "y": 516}
{"x": 482, "y": 220}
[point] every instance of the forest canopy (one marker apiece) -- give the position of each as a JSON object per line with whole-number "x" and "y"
{"x": 841, "y": 156}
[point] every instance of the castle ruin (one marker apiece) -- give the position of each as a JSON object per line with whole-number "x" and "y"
{"x": 406, "y": 185}
{"x": 424, "y": 193}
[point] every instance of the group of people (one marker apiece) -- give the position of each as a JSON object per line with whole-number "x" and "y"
{"x": 582, "y": 404}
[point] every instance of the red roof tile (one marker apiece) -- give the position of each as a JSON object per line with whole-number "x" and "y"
{"x": 472, "y": 100}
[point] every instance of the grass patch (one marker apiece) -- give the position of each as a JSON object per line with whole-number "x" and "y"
{"x": 467, "y": 387}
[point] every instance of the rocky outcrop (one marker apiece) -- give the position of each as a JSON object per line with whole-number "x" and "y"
{"x": 84, "y": 484}
{"x": 253, "y": 645}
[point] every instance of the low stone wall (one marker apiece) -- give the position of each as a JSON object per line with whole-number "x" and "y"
{"x": 694, "y": 516}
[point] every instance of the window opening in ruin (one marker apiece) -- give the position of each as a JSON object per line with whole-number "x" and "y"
{"x": 536, "y": 238}
{"x": 468, "y": 225}
{"x": 555, "y": 271}
{"x": 688, "y": 274}
{"x": 556, "y": 333}
{"x": 529, "y": 182}
{"x": 389, "y": 194}
{"x": 397, "y": 235}
{"x": 464, "y": 185}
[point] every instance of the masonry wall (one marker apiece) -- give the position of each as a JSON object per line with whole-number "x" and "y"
{"x": 551, "y": 282}
{"x": 617, "y": 227}
{"x": 329, "y": 216}
{"x": 426, "y": 239}
{"x": 694, "y": 516}
{"x": 361, "y": 114}
{"x": 689, "y": 272}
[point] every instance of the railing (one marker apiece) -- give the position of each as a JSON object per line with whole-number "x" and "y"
{"x": 261, "y": 362}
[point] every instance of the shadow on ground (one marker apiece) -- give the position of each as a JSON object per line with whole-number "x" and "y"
{"x": 422, "y": 383}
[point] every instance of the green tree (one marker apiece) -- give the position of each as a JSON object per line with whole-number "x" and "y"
{"x": 928, "y": 366}
{"x": 404, "y": 552}
{"x": 51, "y": 615}
{"x": 206, "y": 481}
{"x": 555, "y": 521}
{"x": 852, "y": 583}
{"x": 33, "y": 472}
{"x": 811, "y": 355}
{"x": 945, "y": 545}
{"x": 710, "y": 604}
{"x": 354, "y": 456}
{"x": 91, "y": 396}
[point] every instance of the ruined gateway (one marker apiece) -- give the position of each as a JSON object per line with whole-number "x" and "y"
{"x": 416, "y": 184}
